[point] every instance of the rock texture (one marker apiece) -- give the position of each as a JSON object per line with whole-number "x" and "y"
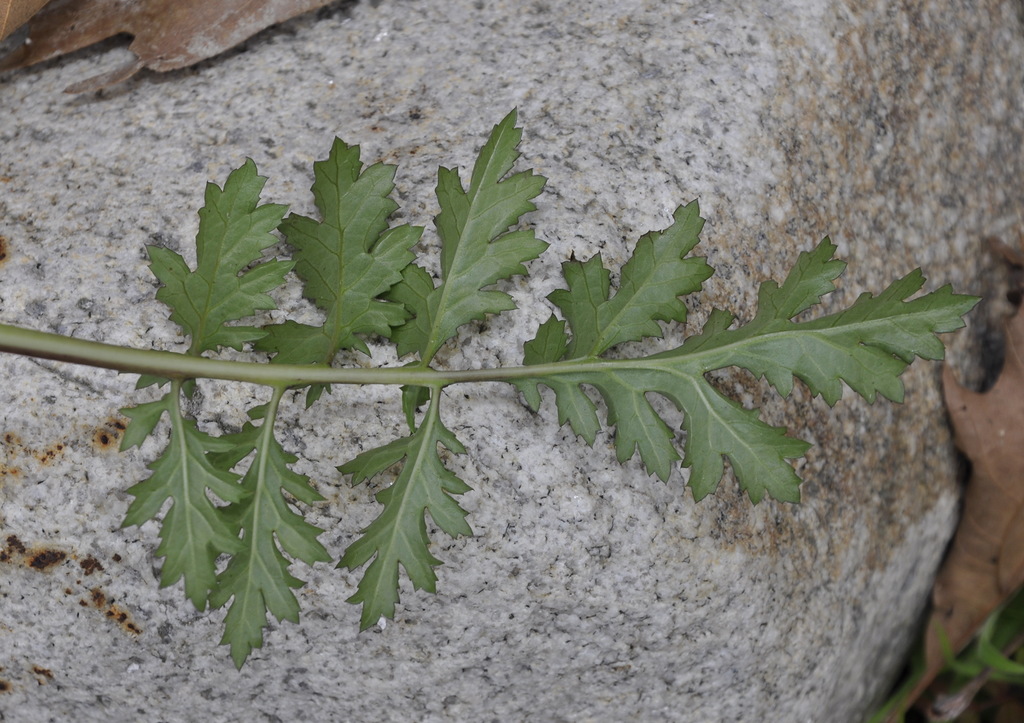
{"x": 590, "y": 591}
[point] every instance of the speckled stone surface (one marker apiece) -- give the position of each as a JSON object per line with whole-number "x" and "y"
{"x": 590, "y": 591}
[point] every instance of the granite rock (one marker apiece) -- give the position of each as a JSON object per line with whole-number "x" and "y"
{"x": 590, "y": 590}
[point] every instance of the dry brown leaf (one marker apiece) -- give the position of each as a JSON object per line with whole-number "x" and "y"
{"x": 985, "y": 564}
{"x": 15, "y": 13}
{"x": 167, "y": 35}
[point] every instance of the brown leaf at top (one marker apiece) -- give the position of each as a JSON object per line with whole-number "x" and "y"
{"x": 985, "y": 563}
{"x": 15, "y": 13}
{"x": 167, "y": 35}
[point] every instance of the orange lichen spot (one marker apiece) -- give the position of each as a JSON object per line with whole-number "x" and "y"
{"x": 46, "y": 558}
{"x": 3, "y": 249}
{"x": 12, "y": 439}
{"x": 90, "y": 565}
{"x": 5, "y": 686}
{"x": 42, "y": 674}
{"x": 98, "y": 598}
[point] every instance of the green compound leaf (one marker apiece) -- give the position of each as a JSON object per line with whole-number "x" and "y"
{"x": 399, "y": 535}
{"x": 477, "y": 248}
{"x": 193, "y": 533}
{"x": 346, "y": 261}
{"x": 361, "y": 275}
{"x": 256, "y": 580}
{"x": 233, "y": 231}
{"x": 867, "y": 346}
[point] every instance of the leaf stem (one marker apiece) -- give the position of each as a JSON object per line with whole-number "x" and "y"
{"x": 174, "y": 365}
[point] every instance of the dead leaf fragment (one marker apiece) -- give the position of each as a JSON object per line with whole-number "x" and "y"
{"x": 167, "y": 35}
{"x": 985, "y": 564}
{"x": 15, "y": 13}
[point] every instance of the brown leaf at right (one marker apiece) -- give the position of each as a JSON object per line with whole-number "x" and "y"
{"x": 985, "y": 563}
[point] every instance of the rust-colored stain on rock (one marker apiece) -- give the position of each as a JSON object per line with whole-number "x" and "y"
{"x": 122, "y": 618}
{"x": 45, "y": 559}
{"x": 119, "y": 615}
{"x": 15, "y": 545}
{"x": 42, "y": 559}
{"x": 7, "y": 470}
{"x": 105, "y": 437}
{"x": 108, "y": 436}
{"x": 15, "y": 447}
{"x": 50, "y": 453}
{"x": 90, "y": 565}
